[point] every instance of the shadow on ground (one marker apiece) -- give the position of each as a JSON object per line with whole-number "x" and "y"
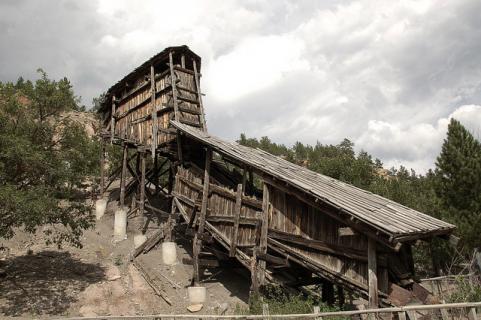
{"x": 47, "y": 282}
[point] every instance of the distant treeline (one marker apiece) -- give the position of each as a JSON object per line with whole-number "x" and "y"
{"x": 451, "y": 191}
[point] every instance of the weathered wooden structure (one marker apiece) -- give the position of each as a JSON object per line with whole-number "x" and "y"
{"x": 283, "y": 222}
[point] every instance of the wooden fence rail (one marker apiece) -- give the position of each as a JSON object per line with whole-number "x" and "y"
{"x": 402, "y": 313}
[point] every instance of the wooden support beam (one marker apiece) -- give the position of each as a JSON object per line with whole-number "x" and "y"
{"x": 173, "y": 84}
{"x": 123, "y": 176}
{"x": 237, "y": 213}
{"x": 112, "y": 121}
{"x": 372, "y": 274}
{"x": 328, "y": 292}
{"x": 156, "y": 174}
{"x": 154, "y": 111}
{"x": 197, "y": 243}
{"x": 244, "y": 180}
{"x": 264, "y": 230}
{"x": 142, "y": 185}
{"x": 199, "y": 97}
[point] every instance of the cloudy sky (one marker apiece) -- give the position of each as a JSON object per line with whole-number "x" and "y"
{"x": 388, "y": 75}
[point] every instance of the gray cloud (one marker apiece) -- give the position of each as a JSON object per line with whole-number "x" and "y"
{"x": 387, "y": 75}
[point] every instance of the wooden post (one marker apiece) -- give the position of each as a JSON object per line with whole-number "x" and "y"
{"x": 264, "y": 229}
{"x": 173, "y": 84}
{"x": 112, "y": 121}
{"x": 102, "y": 168}
{"x": 199, "y": 97}
{"x": 265, "y": 310}
{"x": 244, "y": 180}
{"x": 123, "y": 175}
{"x": 154, "y": 110}
{"x": 328, "y": 293}
{"x": 237, "y": 213}
{"x": 156, "y": 174}
{"x": 254, "y": 279}
{"x": 340, "y": 296}
{"x": 176, "y": 105}
{"x": 197, "y": 244}
{"x": 472, "y": 314}
{"x": 142, "y": 186}
{"x": 182, "y": 61}
{"x": 372, "y": 273}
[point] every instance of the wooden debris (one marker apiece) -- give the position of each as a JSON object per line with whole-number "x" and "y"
{"x": 151, "y": 281}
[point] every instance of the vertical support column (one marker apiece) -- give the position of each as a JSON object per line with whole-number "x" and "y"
{"x": 372, "y": 273}
{"x": 197, "y": 244}
{"x": 123, "y": 175}
{"x": 112, "y": 121}
{"x": 142, "y": 186}
{"x": 328, "y": 292}
{"x": 154, "y": 110}
{"x": 254, "y": 276}
{"x": 264, "y": 229}
{"x": 182, "y": 61}
{"x": 199, "y": 97}
{"x": 244, "y": 180}
{"x": 102, "y": 168}
{"x": 237, "y": 213}
{"x": 173, "y": 81}
{"x": 156, "y": 174}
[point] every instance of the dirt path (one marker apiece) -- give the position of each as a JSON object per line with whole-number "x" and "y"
{"x": 98, "y": 279}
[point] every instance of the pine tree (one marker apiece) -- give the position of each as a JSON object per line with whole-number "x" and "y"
{"x": 458, "y": 183}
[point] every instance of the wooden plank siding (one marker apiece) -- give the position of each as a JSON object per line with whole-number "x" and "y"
{"x": 287, "y": 216}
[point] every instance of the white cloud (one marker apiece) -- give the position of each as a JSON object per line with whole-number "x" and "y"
{"x": 386, "y": 74}
{"x": 415, "y": 144}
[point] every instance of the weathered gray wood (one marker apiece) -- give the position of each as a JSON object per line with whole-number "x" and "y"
{"x": 112, "y": 121}
{"x": 197, "y": 243}
{"x": 173, "y": 84}
{"x": 153, "y": 284}
{"x": 445, "y": 314}
{"x": 264, "y": 231}
{"x": 154, "y": 110}
{"x": 142, "y": 185}
{"x": 401, "y": 315}
{"x": 472, "y": 314}
{"x": 237, "y": 213}
{"x": 199, "y": 97}
{"x": 265, "y": 310}
{"x": 123, "y": 176}
{"x": 372, "y": 273}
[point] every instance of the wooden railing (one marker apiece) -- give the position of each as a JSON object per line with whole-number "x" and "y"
{"x": 448, "y": 311}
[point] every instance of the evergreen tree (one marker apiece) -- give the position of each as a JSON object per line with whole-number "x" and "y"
{"x": 458, "y": 183}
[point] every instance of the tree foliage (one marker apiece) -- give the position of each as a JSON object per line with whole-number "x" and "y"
{"x": 458, "y": 183}
{"x": 44, "y": 160}
{"x": 451, "y": 192}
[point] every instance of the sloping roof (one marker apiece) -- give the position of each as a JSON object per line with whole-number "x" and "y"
{"x": 383, "y": 214}
{"x": 145, "y": 67}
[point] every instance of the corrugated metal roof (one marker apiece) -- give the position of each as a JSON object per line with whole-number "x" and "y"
{"x": 383, "y": 214}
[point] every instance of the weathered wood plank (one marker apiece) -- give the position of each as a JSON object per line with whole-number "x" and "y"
{"x": 123, "y": 176}
{"x": 264, "y": 230}
{"x": 237, "y": 213}
{"x": 372, "y": 274}
{"x": 197, "y": 243}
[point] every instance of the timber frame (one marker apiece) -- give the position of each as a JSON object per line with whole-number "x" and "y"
{"x": 282, "y": 222}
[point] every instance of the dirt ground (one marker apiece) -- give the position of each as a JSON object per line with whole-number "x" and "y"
{"x": 42, "y": 281}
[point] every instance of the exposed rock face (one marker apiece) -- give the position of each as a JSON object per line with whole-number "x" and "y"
{"x": 85, "y": 119}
